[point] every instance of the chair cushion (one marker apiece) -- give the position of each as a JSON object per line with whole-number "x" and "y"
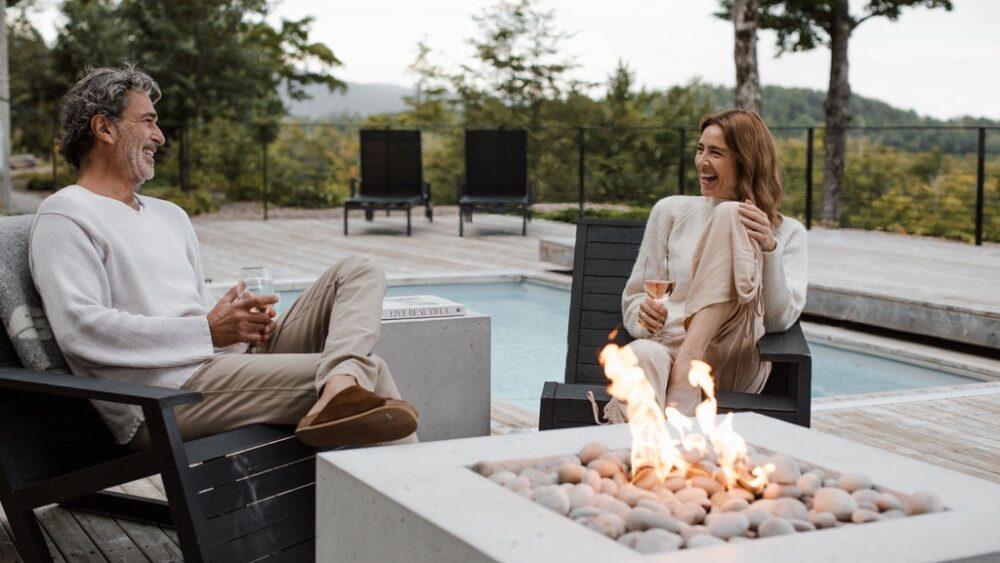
{"x": 20, "y": 306}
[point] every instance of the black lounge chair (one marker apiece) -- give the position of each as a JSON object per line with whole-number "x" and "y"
{"x": 604, "y": 254}
{"x": 391, "y": 176}
{"x": 243, "y": 495}
{"x": 496, "y": 175}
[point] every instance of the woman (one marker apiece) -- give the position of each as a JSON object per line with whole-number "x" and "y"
{"x": 739, "y": 268}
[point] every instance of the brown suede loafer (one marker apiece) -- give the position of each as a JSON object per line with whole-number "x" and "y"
{"x": 357, "y": 417}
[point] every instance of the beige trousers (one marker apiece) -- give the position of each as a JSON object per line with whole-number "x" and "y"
{"x": 330, "y": 330}
{"x": 727, "y": 268}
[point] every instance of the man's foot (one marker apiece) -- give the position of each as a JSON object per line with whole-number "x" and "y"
{"x": 357, "y": 417}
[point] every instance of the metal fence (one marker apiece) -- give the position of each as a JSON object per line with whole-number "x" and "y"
{"x": 310, "y": 164}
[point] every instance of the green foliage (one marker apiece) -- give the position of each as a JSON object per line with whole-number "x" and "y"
{"x": 194, "y": 202}
{"x": 572, "y": 215}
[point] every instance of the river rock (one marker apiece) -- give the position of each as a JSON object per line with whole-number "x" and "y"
{"x": 802, "y": 525}
{"x": 775, "y": 491}
{"x": 484, "y": 468}
{"x": 786, "y": 471}
{"x": 518, "y": 483}
{"x": 592, "y": 451}
{"x": 571, "y": 473}
{"x": 808, "y": 483}
{"x": 553, "y": 497}
{"x": 775, "y": 527}
{"x": 623, "y": 456}
{"x": 640, "y": 518}
{"x": 892, "y": 514}
{"x": 868, "y": 506}
{"x": 888, "y": 501}
{"x": 841, "y": 504}
{"x": 503, "y": 477}
{"x": 630, "y": 494}
{"x": 725, "y": 525}
{"x": 664, "y": 493}
{"x": 605, "y": 467}
{"x": 658, "y": 541}
{"x": 758, "y": 460}
{"x": 611, "y": 525}
{"x": 584, "y": 512}
{"x": 822, "y": 519}
{"x": 734, "y": 505}
{"x": 869, "y": 496}
{"x": 674, "y": 484}
{"x": 654, "y": 505}
{"x": 688, "y": 531}
{"x": 581, "y": 495}
{"x": 526, "y": 492}
{"x": 703, "y": 540}
{"x": 539, "y": 478}
{"x": 646, "y": 479}
{"x": 851, "y": 482}
{"x": 592, "y": 478}
{"x": 629, "y": 538}
{"x": 611, "y": 504}
{"x": 756, "y": 516}
{"x": 862, "y": 516}
{"x": 608, "y": 486}
{"x": 742, "y": 493}
{"x": 690, "y": 513}
{"x": 691, "y": 494}
{"x": 923, "y": 502}
{"x": 709, "y": 485}
{"x": 790, "y": 508}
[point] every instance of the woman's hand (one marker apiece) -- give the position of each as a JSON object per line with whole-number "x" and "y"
{"x": 652, "y": 314}
{"x": 758, "y": 226}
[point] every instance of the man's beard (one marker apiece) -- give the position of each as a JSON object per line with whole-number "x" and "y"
{"x": 131, "y": 157}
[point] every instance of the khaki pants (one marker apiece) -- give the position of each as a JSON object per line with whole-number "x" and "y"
{"x": 330, "y": 330}
{"x": 727, "y": 268}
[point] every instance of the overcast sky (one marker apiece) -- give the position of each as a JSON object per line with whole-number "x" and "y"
{"x": 942, "y": 64}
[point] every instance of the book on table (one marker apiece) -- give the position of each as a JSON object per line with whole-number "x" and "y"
{"x": 419, "y": 307}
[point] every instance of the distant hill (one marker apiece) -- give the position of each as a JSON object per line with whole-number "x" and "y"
{"x": 360, "y": 100}
{"x": 783, "y": 107}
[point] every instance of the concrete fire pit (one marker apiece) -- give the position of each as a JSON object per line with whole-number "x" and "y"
{"x": 424, "y": 503}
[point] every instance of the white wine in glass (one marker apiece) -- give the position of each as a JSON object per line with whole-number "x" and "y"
{"x": 256, "y": 281}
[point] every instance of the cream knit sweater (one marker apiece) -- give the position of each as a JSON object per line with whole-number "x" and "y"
{"x": 672, "y": 232}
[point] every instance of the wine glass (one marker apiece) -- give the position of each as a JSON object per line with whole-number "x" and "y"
{"x": 656, "y": 287}
{"x": 256, "y": 281}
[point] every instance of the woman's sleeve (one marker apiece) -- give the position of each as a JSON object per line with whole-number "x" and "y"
{"x": 650, "y": 264}
{"x": 785, "y": 281}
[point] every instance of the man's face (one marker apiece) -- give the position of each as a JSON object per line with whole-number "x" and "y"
{"x": 138, "y": 138}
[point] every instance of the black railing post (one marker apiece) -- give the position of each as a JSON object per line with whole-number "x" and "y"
{"x": 264, "y": 169}
{"x": 681, "y": 160}
{"x": 980, "y": 181}
{"x": 581, "y": 170}
{"x": 809, "y": 177}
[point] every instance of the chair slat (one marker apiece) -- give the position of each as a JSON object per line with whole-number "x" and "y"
{"x": 260, "y": 515}
{"x": 230, "y": 468}
{"x": 611, "y": 268}
{"x": 233, "y": 496}
{"x": 287, "y": 534}
{"x": 612, "y": 251}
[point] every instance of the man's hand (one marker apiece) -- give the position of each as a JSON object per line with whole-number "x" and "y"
{"x": 652, "y": 314}
{"x": 239, "y": 319}
{"x": 758, "y": 226}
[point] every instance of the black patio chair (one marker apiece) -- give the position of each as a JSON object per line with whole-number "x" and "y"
{"x": 391, "y": 176}
{"x": 604, "y": 254}
{"x": 242, "y": 495}
{"x": 496, "y": 175}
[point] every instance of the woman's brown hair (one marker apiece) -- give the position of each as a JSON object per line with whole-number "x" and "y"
{"x": 757, "y": 162}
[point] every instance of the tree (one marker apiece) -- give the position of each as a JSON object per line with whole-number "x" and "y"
{"x": 212, "y": 58}
{"x": 802, "y": 25}
{"x": 745, "y": 54}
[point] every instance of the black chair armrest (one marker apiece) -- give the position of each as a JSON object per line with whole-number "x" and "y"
{"x": 787, "y": 346}
{"x": 354, "y": 186}
{"x": 66, "y": 385}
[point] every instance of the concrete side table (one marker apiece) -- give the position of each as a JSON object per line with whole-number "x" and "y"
{"x": 442, "y": 367}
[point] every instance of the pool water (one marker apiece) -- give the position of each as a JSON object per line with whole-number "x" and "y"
{"x": 529, "y": 345}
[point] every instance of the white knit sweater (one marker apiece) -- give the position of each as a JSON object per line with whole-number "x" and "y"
{"x": 672, "y": 232}
{"x": 123, "y": 291}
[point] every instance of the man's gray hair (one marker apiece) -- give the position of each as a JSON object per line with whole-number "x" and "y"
{"x": 101, "y": 92}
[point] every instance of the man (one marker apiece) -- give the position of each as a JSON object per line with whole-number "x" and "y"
{"x": 121, "y": 282}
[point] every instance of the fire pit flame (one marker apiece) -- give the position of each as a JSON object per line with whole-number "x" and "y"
{"x": 653, "y": 444}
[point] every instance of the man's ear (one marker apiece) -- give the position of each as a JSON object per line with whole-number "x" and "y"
{"x": 103, "y": 130}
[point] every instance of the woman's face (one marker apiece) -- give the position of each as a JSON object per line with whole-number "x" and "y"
{"x": 716, "y": 164}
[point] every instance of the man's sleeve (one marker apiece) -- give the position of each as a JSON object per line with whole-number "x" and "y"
{"x": 70, "y": 277}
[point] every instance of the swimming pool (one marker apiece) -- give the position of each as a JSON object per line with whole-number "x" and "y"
{"x": 529, "y": 345}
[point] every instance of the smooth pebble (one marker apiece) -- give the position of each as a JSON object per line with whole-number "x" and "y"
{"x": 829, "y": 482}
{"x": 629, "y": 538}
{"x": 887, "y": 501}
{"x": 484, "y": 468}
{"x": 584, "y": 512}
{"x": 725, "y": 525}
{"x": 538, "y": 477}
{"x": 611, "y": 525}
{"x": 691, "y": 494}
{"x": 592, "y": 478}
{"x": 688, "y": 532}
{"x": 802, "y": 525}
{"x": 775, "y": 527}
{"x": 608, "y": 486}
{"x": 518, "y": 483}
{"x": 612, "y": 505}
{"x": 851, "y": 482}
{"x": 690, "y": 513}
{"x": 809, "y": 483}
{"x": 923, "y": 502}
{"x": 658, "y": 541}
{"x": 605, "y": 467}
{"x": 552, "y": 497}
{"x": 863, "y": 516}
{"x": 571, "y": 473}
{"x": 675, "y": 484}
{"x": 709, "y": 485}
{"x": 703, "y": 540}
{"x": 865, "y": 495}
{"x": 775, "y": 491}
{"x": 592, "y": 451}
{"x": 581, "y": 495}
{"x": 786, "y": 471}
{"x": 790, "y": 508}
{"x": 640, "y": 518}
{"x": 654, "y": 505}
{"x": 734, "y": 505}
{"x": 822, "y": 519}
{"x": 756, "y": 516}
{"x": 503, "y": 477}
{"x": 837, "y": 501}
{"x": 892, "y": 514}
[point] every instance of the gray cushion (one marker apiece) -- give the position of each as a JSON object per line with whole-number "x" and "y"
{"x": 20, "y": 305}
